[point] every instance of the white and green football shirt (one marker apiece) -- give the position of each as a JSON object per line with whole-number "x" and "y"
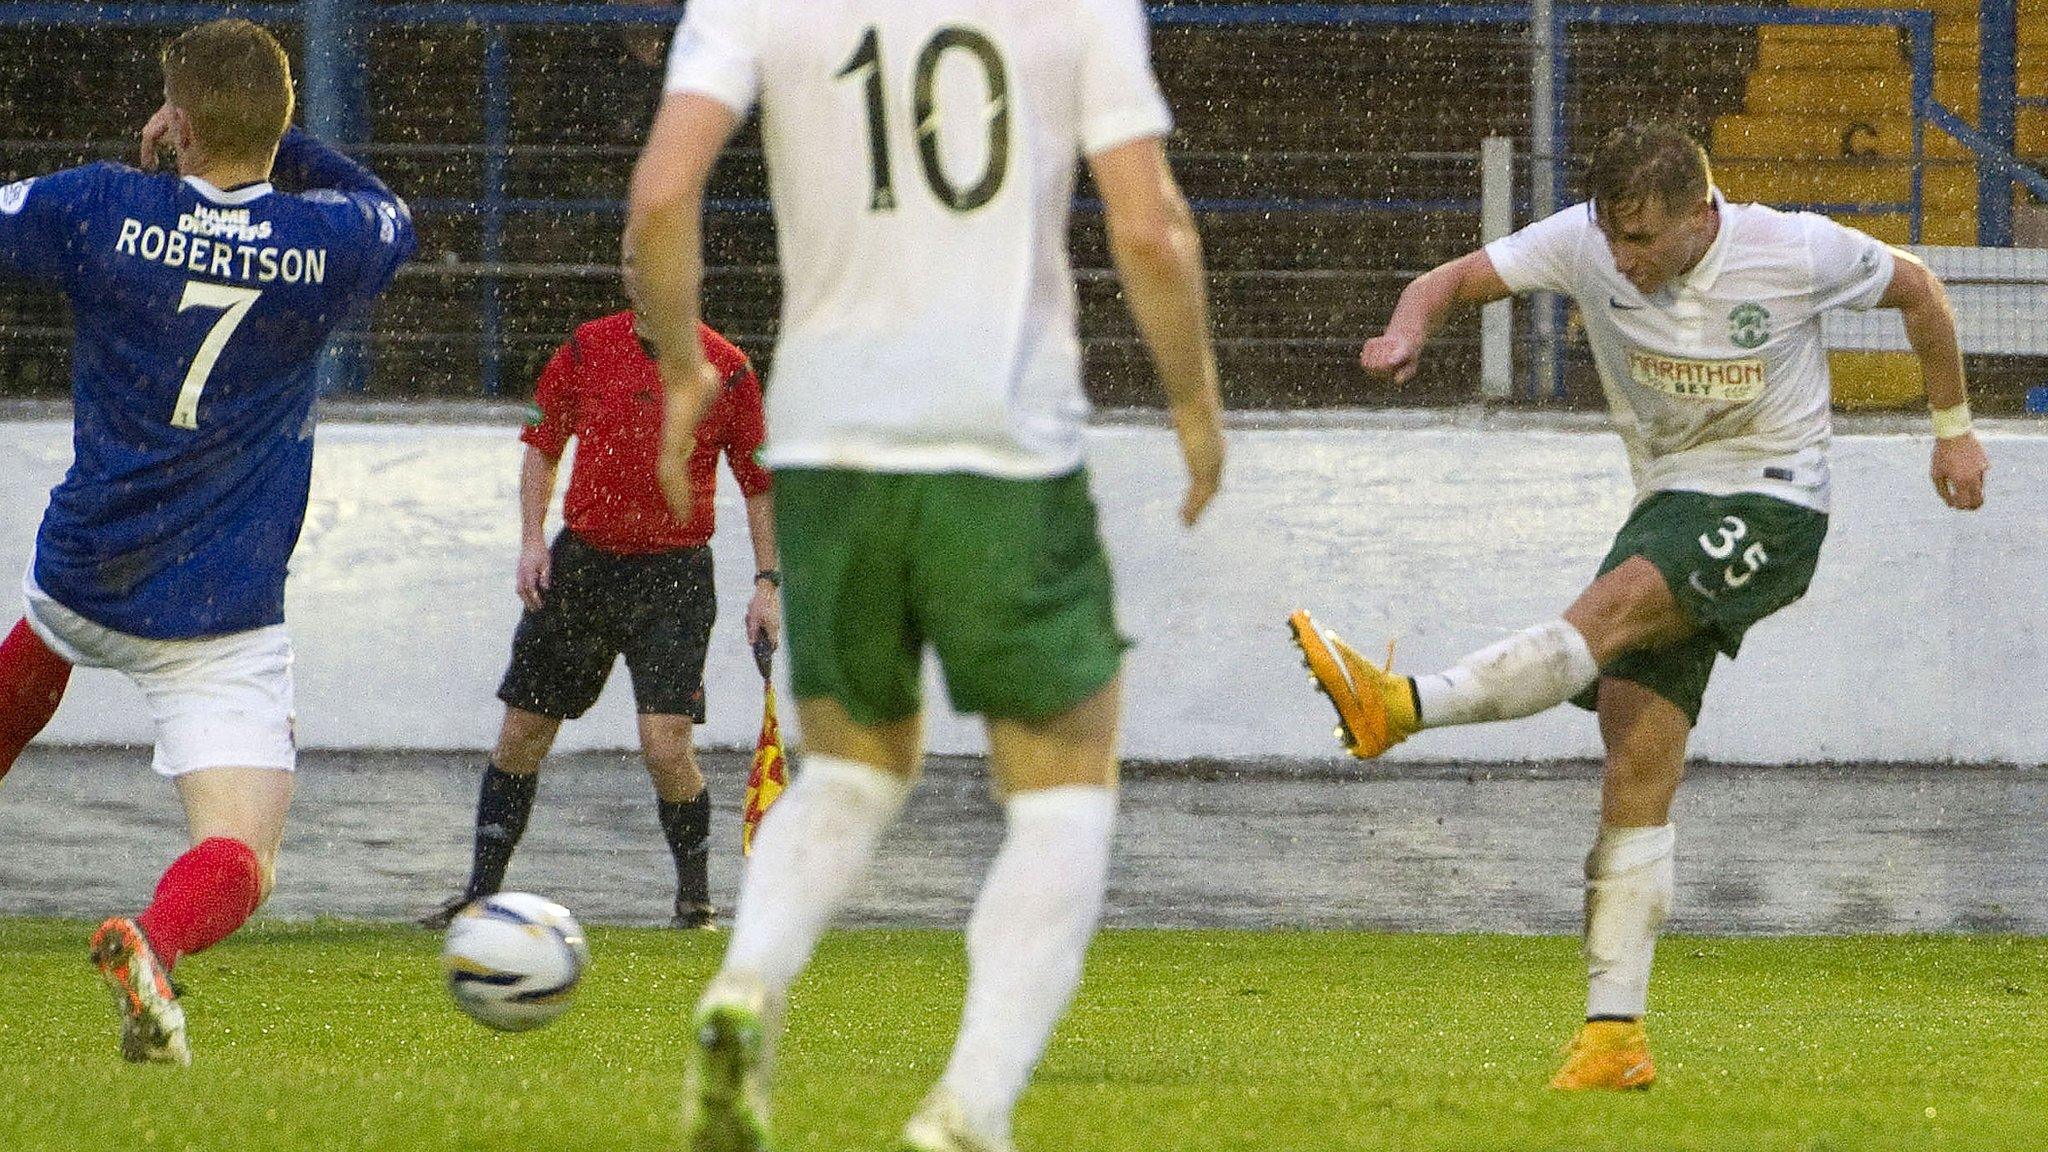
{"x": 921, "y": 160}
{"x": 1718, "y": 383}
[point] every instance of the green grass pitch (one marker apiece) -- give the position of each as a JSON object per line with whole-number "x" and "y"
{"x": 318, "y": 1036}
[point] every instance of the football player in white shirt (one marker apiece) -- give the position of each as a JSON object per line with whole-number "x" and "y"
{"x": 924, "y": 426}
{"x": 1704, "y": 319}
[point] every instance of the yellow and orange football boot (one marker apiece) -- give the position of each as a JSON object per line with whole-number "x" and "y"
{"x": 1609, "y": 1054}
{"x": 1375, "y": 708}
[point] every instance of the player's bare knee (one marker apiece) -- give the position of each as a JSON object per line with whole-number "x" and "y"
{"x": 1639, "y": 790}
{"x": 668, "y": 745}
{"x": 518, "y": 759}
{"x": 523, "y": 741}
{"x": 1016, "y": 780}
{"x": 1076, "y": 747}
{"x": 675, "y": 771}
{"x": 1627, "y": 609}
{"x": 895, "y": 746}
{"x": 1603, "y": 617}
{"x": 671, "y": 758}
{"x": 1638, "y": 774}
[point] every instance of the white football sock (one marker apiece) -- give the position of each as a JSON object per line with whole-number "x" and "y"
{"x": 811, "y": 849}
{"x": 1629, "y": 886}
{"x": 1535, "y": 669}
{"x": 1025, "y": 944}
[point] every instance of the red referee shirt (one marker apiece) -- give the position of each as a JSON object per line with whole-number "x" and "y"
{"x": 603, "y": 389}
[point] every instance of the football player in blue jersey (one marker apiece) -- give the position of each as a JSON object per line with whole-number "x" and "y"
{"x": 201, "y": 302}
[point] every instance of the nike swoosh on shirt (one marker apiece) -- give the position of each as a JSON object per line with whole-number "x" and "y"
{"x": 1616, "y": 304}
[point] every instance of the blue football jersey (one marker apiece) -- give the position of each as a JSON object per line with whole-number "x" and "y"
{"x": 199, "y": 317}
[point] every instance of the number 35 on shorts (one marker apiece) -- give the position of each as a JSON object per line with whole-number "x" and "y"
{"x": 1722, "y": 544}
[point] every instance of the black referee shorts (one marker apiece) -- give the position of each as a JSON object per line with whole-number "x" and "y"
{"x": 655, "y": 608}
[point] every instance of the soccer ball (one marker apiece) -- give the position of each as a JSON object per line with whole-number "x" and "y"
{"x": 513, "y": 960}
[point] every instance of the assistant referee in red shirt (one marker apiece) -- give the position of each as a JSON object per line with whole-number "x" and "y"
{"x": 625, "y": 576}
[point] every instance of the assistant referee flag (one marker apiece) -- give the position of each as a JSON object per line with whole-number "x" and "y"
{"x": 770, "y": 773}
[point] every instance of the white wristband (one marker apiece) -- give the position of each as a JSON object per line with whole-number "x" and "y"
{"x": 1951, "y": 421}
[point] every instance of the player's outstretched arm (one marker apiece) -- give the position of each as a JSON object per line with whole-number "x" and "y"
{"x": 1959, "y": 463}
{"x": 1425, "y": 304}
{"x": 305, "y": 162}
{"x": 664, "y": 268}
{"x": 1158, "y": 257}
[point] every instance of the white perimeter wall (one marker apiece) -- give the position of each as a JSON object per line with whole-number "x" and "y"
{"x": 1919, "y": 640}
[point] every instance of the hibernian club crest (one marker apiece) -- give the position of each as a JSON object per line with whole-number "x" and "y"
{"x": 1749, "y": 325}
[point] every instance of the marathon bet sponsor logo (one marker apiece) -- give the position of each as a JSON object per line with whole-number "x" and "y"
{"x": 14, "y": 197}
{"x": 1723, "y": 381}
{"x": 1749, "y": 325}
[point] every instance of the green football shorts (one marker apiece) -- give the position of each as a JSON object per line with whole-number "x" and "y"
{"x": 1006, "y": 579}
{"x": 1730, "y": 561}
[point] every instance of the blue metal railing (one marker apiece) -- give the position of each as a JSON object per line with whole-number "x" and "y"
{"x": 117, "y": 15}
{"x": 330, "y": 67}
{"x": 497, "y": 149}
{"x": 337, "y": 83}
{"x": 1998, "y": 35}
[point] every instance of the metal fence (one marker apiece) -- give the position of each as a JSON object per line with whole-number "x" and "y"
{"x": 1330, "y": 150}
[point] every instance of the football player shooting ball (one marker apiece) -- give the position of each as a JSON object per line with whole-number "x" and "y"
{"x": 1705, "y": 323}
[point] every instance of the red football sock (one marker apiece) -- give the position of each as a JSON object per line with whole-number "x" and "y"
{"x": 204, "y": 896}
{"x": 32, "y": 680}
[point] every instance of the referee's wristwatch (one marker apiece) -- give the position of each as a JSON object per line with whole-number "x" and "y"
{"x": 772, "y": 575}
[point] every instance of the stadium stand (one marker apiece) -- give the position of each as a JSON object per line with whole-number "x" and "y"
{"x": 1827, "y": 118}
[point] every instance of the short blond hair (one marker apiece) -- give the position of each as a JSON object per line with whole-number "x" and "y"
{"x": 1640, "y": 163}
{"x": 234, "y": 82}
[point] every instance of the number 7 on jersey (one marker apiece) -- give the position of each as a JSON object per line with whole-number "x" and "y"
{"x": 199, "y": 294}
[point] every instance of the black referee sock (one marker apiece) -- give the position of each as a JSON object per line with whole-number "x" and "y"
{"x": 502, "y": 806}
{"x": 687, "y": 825}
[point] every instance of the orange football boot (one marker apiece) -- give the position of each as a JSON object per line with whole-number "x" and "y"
{"x": 152, "y": 1021}
{"x": 1610, "y": 1054}
{"x": 1375, "y": 708}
